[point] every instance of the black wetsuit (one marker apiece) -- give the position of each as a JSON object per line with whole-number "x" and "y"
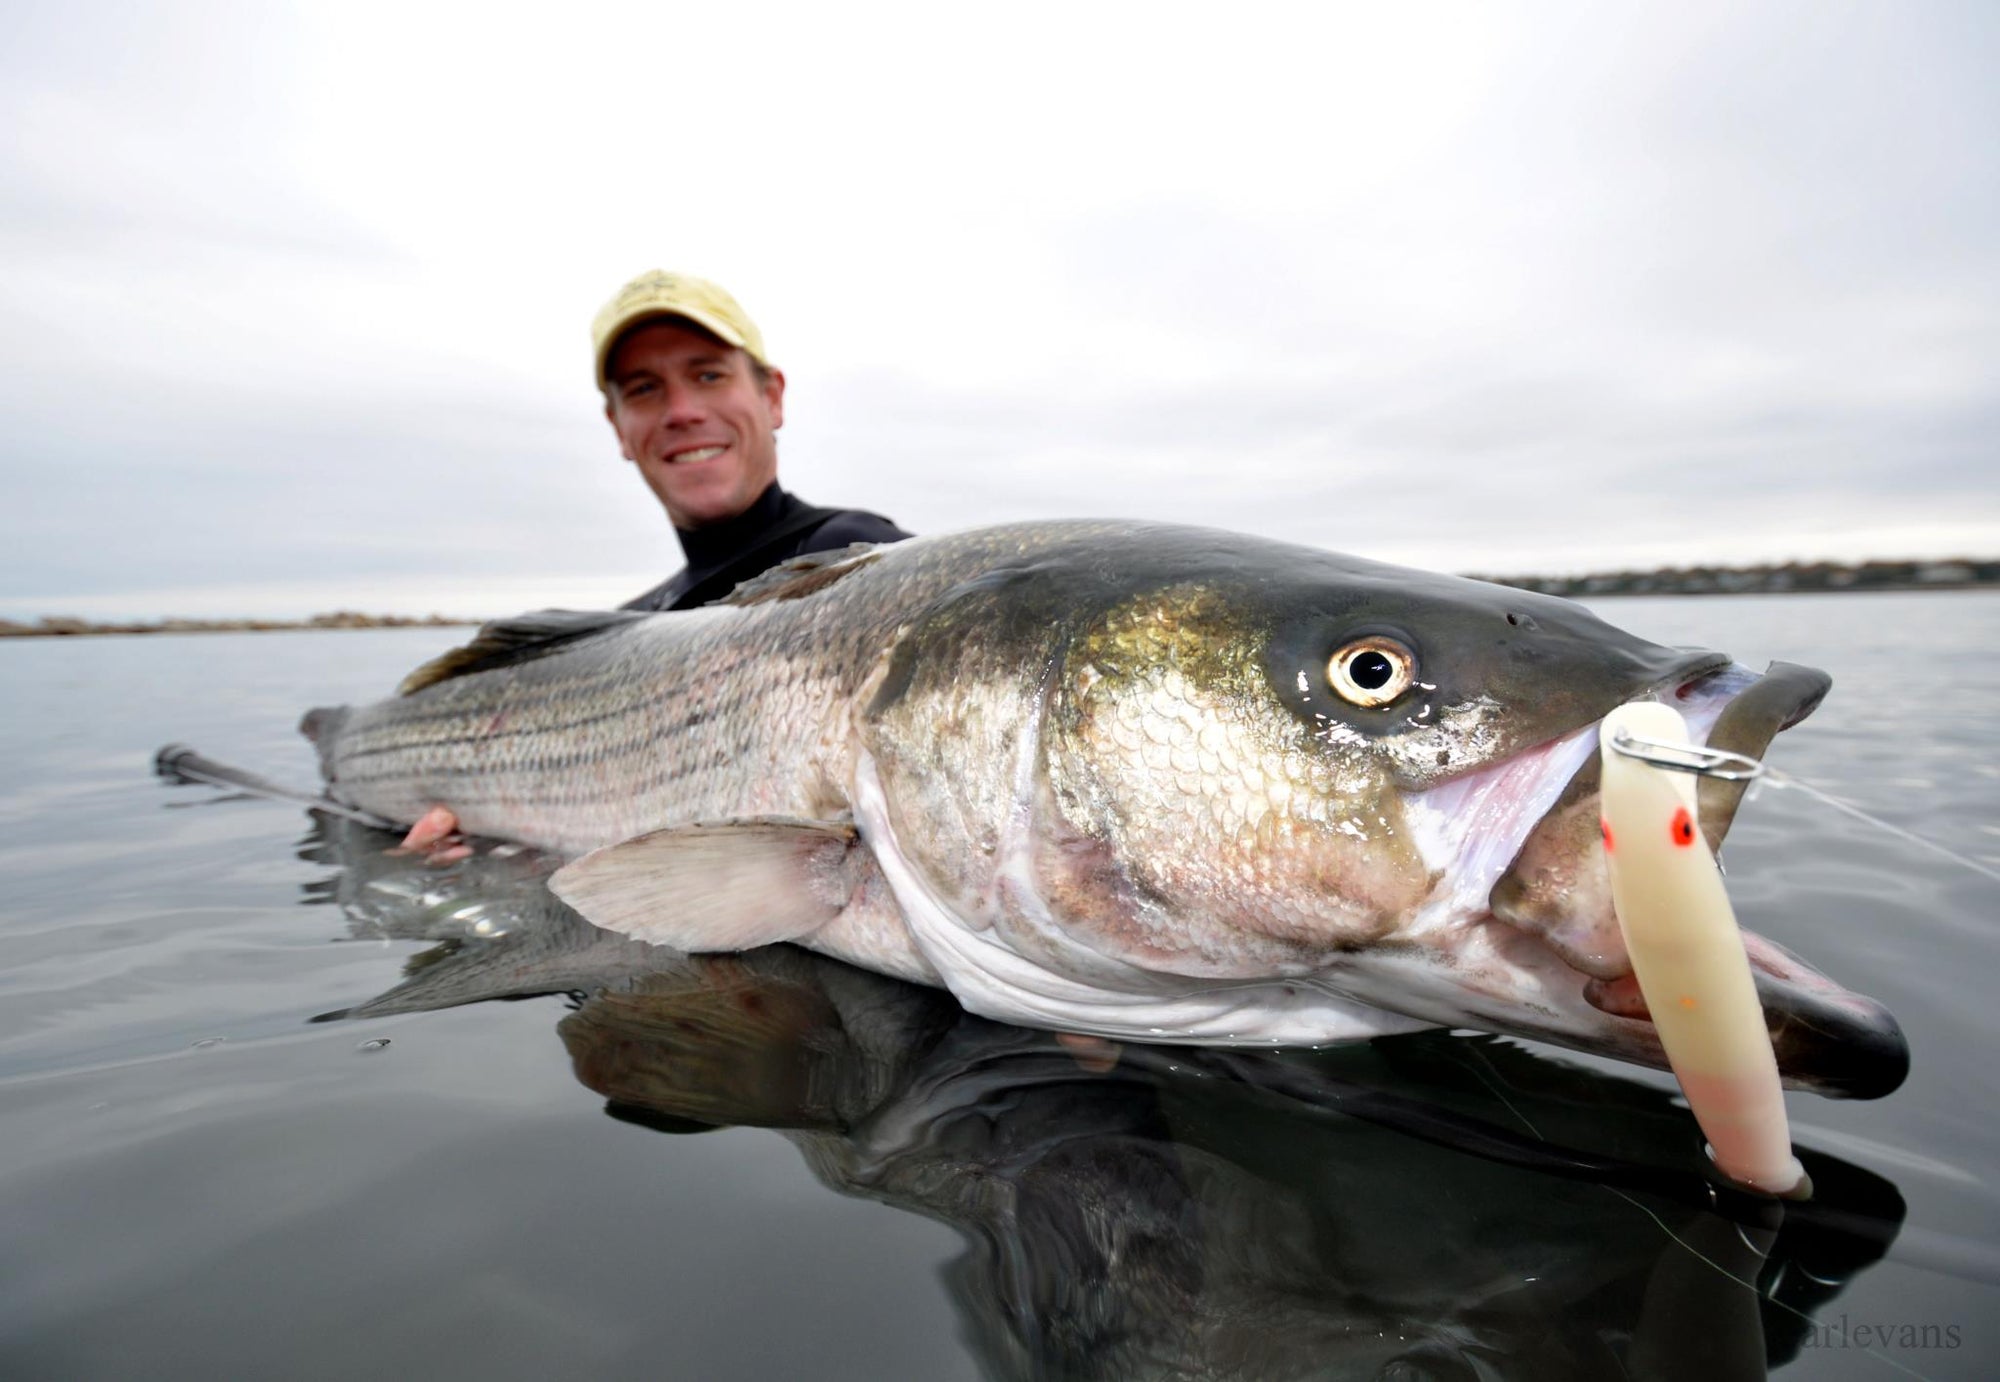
{"x": 778, "y": 526}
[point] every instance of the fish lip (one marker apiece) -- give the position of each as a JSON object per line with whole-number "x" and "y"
{"x": 1697, "y": 666}
{"x": 1783, "y": 696}
{"x": 1846, "y": 1047}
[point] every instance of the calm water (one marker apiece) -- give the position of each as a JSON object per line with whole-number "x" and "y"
{"x": 262, "y": 1117}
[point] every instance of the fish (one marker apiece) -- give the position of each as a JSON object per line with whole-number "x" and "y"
{"x": 1143, "y": 782}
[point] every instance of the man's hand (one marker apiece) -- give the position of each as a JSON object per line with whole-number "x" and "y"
{"x": 435, "y": 836}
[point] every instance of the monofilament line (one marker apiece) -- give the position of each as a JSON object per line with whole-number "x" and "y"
{"x": 1778, "y": 779}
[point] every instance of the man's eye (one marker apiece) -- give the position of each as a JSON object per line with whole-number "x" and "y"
{"x": 639, "y": 387}
{"x": 710, "y": 376}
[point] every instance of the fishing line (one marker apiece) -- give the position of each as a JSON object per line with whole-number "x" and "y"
{"x": 1749, "y": 1284}
{"x": 1737, "y": 767}
{"x": 1811, "y": 1323}
{"x": 1783, "y": 781}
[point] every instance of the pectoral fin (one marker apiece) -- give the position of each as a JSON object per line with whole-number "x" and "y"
{"x": 726, "y": 885}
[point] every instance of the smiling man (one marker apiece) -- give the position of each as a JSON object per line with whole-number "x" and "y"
{"x": 697, "y": 405}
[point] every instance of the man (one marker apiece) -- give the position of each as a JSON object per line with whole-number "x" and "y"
{"x": 696, "y": 405}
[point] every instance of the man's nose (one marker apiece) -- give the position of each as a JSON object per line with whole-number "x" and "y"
{"x": 683, "y": 407}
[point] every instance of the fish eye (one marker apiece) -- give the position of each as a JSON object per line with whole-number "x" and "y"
{"x": 1372, "y": 671}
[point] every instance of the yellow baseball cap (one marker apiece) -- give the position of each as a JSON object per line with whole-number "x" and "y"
{"x": 657, "y": 293}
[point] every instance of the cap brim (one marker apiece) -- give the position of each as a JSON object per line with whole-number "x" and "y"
{"x": 714, "y": 326}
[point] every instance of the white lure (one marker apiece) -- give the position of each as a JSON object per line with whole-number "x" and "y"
{"x": 1688, "y": 956}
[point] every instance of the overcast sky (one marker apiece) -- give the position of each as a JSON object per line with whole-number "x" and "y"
{"x": 294, "y": 301}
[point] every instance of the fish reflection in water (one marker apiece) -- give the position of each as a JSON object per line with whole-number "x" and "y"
{"x": 1417, "y": 1207}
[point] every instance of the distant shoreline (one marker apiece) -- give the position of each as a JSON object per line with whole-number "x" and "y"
{"x": 1792, "y": 578}
{"x": 56, "y": 626}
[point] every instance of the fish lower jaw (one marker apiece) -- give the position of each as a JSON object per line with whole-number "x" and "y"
{"x": 1827, "y": 1039}
{"x": 1619, "y": 993}
{"x": 1502, "y": 964}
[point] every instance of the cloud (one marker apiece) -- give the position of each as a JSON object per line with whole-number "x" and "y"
{"x": 295, "y": 297}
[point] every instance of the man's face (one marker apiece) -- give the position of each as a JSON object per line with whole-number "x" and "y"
{"x": 690, "y": 412}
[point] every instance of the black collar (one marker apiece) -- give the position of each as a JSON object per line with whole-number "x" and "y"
{"x": 713, "y": 545}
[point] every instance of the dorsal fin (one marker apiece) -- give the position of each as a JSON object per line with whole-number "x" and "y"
{"x": 522, "y": 638}
{"x": 801, "y": 576}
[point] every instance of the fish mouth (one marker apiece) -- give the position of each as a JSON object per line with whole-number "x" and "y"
{"x": 1556, "y": 896}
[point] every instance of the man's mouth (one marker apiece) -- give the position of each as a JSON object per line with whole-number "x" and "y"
{"x": 695, "y": 455}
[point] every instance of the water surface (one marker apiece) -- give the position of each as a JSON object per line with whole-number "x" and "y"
{"x": 275, "y": 1104}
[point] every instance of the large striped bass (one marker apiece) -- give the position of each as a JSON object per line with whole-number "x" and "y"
{"x": 1138, "y": 781}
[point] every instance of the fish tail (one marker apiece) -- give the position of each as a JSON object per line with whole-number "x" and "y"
{"x": 322, "y": 725}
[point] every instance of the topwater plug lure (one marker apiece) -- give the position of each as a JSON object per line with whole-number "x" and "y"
{"x": 1686, "y": 950}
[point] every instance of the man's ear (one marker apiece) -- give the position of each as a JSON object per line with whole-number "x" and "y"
{"x": 611, "y": 416}
{"x": 774, "y": 394}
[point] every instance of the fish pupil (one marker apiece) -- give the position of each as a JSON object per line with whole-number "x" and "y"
{"x": 1370, "y": 670}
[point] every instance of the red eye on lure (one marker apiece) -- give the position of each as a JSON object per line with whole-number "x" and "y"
{"x": 1605, "y": 826}
{"x": 1683, "y": 828}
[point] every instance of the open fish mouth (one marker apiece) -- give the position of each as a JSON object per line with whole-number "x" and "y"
{"x": 1826, "y": 1038}
{"x": 1544, "y": 958}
